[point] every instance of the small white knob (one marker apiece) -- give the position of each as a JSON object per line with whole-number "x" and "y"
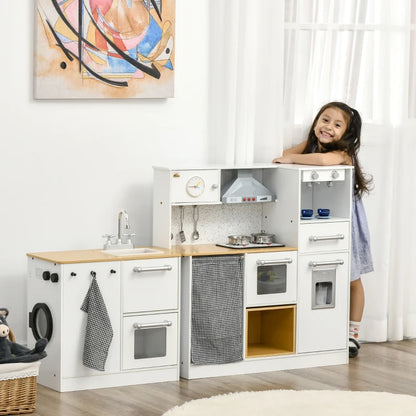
{"x": 214, "y": 186}
{"x": 314, "y": 175}
{"x": 335, "y": 174}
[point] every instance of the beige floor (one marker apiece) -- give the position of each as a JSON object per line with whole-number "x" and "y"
{"x": 387, "y": 367}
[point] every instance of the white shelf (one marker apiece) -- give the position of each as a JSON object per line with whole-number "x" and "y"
{"x": 321, "y": 220}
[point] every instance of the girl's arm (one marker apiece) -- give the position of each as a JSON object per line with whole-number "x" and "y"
{"x": 320, "y": 159}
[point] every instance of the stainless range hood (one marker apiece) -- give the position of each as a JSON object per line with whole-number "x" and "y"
{"x": 245, "y": 188}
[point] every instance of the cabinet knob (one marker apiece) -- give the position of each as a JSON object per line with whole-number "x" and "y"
{"x": 314, "y": 175}
{"x": 46, "y": 275}
{"x": 73, "y": 274}
{"x": 112, "y": 271}
{"x": 54, "y": 278}
{"x": 335, "y": 174}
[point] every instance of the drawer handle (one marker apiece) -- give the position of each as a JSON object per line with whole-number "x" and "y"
{"x": 163, "y": 324}
{"x": 326, "y": 237}
{"x": 273, "y": 262}
{"x": 326, "y": 263}
{"x": 138, "y": 269}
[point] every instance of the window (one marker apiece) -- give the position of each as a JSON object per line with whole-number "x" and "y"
{"x": 362, "y": 52}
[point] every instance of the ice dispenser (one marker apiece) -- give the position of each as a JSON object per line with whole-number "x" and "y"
{"x": 324, "y": 284}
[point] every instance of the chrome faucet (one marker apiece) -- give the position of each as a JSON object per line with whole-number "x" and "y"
{"x": 123, "y": 224}
{"x": 122, "y": 215}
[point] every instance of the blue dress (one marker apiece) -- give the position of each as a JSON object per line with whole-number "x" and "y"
{"x": 361, "y": 259}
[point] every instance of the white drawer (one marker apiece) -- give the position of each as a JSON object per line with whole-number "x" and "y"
{"x": 150, "y": 341}
{"x": 324, "y": 237}
{"x": 150, "y": 285}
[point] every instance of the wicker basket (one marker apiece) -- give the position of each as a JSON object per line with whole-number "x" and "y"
{"x": 17, "y": 389}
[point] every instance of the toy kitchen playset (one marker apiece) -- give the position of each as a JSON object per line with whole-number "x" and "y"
{"x": 239, "y": 280}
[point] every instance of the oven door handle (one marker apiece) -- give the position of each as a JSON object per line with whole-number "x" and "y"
{"x": 163, "y": 324}
{"x": 326, "y": 237}
{"x": 326, "y": 263}
{"x": 273, "y": 262}
{"x": 138, "y": 269}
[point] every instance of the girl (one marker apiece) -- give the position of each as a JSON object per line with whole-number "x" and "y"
{"x": 334, "y": 139}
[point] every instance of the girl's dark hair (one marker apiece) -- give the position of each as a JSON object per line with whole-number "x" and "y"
{"x": 350, "y": 143}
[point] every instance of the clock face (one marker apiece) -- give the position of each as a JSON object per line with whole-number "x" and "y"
{"x": 195, "y": 186}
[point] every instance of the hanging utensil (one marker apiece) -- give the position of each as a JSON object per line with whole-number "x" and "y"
{"x": 182, "y": 236}
{"x": 195, "y": 234}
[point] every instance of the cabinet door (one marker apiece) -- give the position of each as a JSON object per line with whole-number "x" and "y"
{"x": 77, "y": 280}
{"x": 150, "y": 341}
{"x": 323, "y": 294}
{"x": 150, "y": 285}
{"x": 270, "y": 278}
{"x": 195, "y": 186}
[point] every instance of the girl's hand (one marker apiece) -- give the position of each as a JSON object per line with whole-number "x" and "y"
{"x": 283, "y": 159}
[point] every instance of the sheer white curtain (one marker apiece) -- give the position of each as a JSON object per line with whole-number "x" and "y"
{"x": 362, "y": 52}
{"x": 246, "y": 46}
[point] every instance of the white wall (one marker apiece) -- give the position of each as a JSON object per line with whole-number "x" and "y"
{"x": 68, "y": 167}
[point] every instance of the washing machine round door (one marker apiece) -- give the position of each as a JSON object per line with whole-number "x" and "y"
{"x": 40, "y": 321}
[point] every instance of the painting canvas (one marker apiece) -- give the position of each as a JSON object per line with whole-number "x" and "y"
{"x": 104, "y": 49}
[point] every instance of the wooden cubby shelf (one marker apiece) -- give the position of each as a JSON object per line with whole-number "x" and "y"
{"x": 270, "y": 331}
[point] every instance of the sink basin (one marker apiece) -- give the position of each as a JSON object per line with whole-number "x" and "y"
{"x": 131, "y": 251}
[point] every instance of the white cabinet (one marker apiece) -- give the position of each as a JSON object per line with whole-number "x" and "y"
{"x": 323, "y": 251}
{"x": 142, "y": 301}
{"x": 186, "y": 197}
{"x": 194, "y": 186}
{"x": 323, "y": 302}
{"x": 76, "y": 281}
{"x": 150, "y": 338}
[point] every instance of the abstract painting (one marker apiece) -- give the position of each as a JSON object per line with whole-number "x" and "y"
{"x": 104, "y": 49}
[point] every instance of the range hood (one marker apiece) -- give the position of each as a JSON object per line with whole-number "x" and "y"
{"x": 246, "y": 189}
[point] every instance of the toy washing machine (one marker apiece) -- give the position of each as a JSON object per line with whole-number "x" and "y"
{"x": 44, "y": 315}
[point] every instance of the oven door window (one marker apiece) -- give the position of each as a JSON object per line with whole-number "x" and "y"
{"x": 271, "y": 279}
{"x": 149, "y": 343}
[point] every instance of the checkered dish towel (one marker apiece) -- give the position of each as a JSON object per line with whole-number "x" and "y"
{"x": 99, "y": 332}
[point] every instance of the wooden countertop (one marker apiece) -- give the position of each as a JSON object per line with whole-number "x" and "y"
{"x": 214, "y": 250}
{"x": 99, "y": 255}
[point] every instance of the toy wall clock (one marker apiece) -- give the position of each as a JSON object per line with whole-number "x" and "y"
{"x": 195, "y": 186}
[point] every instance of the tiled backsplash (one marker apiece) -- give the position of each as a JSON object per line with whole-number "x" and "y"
{"x": 216, "y": 222}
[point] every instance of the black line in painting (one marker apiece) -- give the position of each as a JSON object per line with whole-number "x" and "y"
{"x": 71, "y": 57}
{"x": 80, "y": 30}
{"x": 59, "y": 43}
{"x": 155, "y": 6}
{"x": 70, "y": 27}
{"x": 98, "y": 76}
{"x": 152, "y": 71}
